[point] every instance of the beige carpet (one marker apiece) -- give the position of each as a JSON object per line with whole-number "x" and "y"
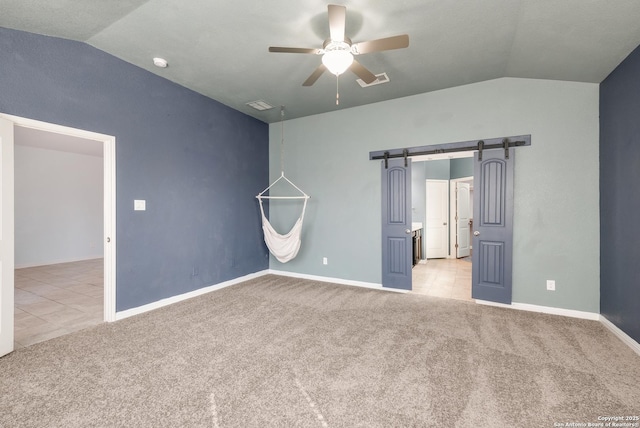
{"x": 282, "y": 352}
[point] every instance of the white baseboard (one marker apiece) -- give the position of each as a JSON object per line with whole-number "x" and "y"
{"x": 340, "y": 281}
{"x": 57, "y": 262}
{"x": 544, "y": 310}
{"x": 518, "y": 306}
{"x": 621, "y": 335}
{"x": 175, "y": 299}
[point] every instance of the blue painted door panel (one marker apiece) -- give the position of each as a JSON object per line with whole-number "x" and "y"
{"x": 397, "y": 241}
{"x": 493, "y": 226}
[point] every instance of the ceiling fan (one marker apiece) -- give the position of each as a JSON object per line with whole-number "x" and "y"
{"x": 338, "y": 50}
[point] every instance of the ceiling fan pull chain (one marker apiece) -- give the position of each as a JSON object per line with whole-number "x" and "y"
{"x": 337, "y": 90}
{"x": 282, "y": 139}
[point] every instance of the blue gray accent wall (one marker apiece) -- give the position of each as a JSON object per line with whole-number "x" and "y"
{"x": 620, "y": 196}
{"x": 196, "y": 162}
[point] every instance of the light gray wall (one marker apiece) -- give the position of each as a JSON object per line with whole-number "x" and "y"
{"x": 461, "y": 167}
{"x": 58, "y": 206}
{"x": 556, "y": 224}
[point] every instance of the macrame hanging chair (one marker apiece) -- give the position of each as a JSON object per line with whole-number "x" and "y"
{"x": 283, "y": 247}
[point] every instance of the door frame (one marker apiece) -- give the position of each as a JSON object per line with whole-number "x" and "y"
{"x": 7, "y": 328}
{"x": 109, "y": 222}
{"x": 452, "y": 214}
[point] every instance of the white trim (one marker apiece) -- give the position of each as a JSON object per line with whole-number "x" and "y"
{"x": 628, "y": 340}
{"x": 109, "y": 225}
{"x": 58, "y": 129}
{"x": 339, "y": 281}
{"x": 543, "y": 309}
{"x": 7, "y": 251}
{"x": 109, "y": 147}
{"x": 195, "y": 293}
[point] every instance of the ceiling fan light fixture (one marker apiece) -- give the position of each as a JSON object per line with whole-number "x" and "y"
{"x": 337, "y": 57}
{"x": 338, "y": 50}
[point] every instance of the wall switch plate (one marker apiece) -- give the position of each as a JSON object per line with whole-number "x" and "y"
{"x": 139, "y": 205}
{"x": 324, "y": 261}
{"x": 551, "y": 285}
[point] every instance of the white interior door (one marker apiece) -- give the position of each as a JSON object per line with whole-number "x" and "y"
{"x": 463, "y": 213}
{"x": 437, "y": 210}
{"x": 6, "y": 236}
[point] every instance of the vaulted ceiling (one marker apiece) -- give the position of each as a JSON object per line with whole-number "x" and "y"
{"x": 220, "y": 48}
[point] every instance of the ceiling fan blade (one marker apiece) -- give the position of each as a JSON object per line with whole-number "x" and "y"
{"x": 315, "y": 75}
{"x": 294, "y": 50}
{"x": 386, "y": 44}
{"x": 337, "y": 22}
{"x": 362, "y": 72}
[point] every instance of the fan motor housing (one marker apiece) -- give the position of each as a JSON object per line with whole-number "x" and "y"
{"x": 329, "y": 41}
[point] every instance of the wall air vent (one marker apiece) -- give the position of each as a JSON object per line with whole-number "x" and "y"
{"x": 381, "y": 78}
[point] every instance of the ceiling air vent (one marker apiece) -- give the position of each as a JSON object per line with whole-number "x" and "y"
{"x": 260, "y": 105}
{"x": 381, "y": 78}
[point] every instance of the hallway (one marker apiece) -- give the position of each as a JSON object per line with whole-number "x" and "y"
{"x": 449, "y": 278}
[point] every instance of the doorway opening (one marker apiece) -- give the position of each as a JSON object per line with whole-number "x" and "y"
{"x": 493, "y": 167}
{"x": 64, "y": 253}
{"x": 58, "y": 205}
{"x": 446, "y": 267}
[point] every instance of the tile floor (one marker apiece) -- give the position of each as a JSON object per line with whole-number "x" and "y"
{"x": 55, "y": 300}
{"x": 450, "y": 278}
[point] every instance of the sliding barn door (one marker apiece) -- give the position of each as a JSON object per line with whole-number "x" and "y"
{"x": 397, "y": 241}
{"x": 6, "y": 236}
{"x": 493, "y": 226}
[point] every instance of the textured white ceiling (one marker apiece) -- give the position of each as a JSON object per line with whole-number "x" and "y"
{"x": 220, "y": 48}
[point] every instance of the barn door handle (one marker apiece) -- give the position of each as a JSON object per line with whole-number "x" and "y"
{"x": 476, "y": 233}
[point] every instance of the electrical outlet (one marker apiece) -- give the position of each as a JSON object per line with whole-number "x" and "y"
{"x": 324, "y": 261}
{"x": 551, "y": 285}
